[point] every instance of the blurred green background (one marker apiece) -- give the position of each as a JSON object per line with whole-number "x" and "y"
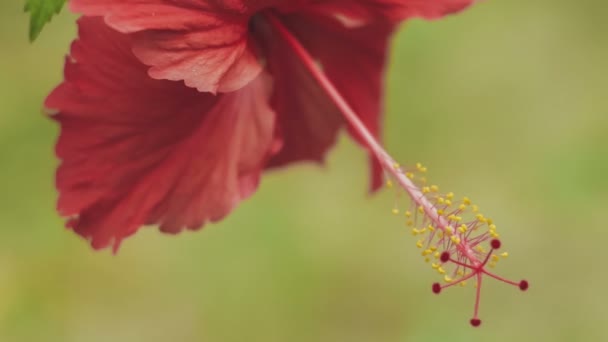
{"x": 505, "y": 103}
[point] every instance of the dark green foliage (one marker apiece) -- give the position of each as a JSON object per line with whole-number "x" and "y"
{"x": 41, "y": 12}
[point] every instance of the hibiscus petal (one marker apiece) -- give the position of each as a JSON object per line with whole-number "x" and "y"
{"x": 204, "y": 43}
{"x": 341, "y": 51}
{"x": 138, "y": 151}
{"x": 308, "y": 120}
{"x": 353, "y": 59}
{"x": 364, "y": 11}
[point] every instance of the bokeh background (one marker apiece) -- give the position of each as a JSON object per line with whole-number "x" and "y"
{"x": 506, "y": 103}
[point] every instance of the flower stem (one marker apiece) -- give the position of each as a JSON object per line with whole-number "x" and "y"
{"x": 387, "y": 162}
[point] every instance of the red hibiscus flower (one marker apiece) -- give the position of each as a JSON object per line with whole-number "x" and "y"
{"x": 171, "y": 109}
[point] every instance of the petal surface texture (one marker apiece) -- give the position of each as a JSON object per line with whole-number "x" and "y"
{"x": 353, "y": 58}
{"x": 393, "y": 10}
{"x": 202, "y": 42}
{"x": 139, "y": 151}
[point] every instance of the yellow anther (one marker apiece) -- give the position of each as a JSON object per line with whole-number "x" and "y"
{"x": 435, "y": 266}
{"x": 504, "y": 254}
{"x": 466, "y": 201}
{"x": 421, "y": 209}
{"x": 462, "y": 228}
{"x": 492, "y": 264}
{"x": 415, "y": 231}
{"x": 426, "y": 189}
{"x": 495, "y": 257}
{"x": 448, "y": 202}
{"x": 475, "y": 208}
{"x": 492, "y": 226}
{"x": 420, "y": 167}
{"x": 396, "y": 166}
{"x": 480, "y": 218}
{"x": 460, "y": 273}
{"x": 450, "y": 195}
{"x": 433, "y": 248}
{"x": 441, "y": 270}
{"x": 494, "y": 234}
{"x": 409, "y": 175}
{"x": 455, "y": 218}
{"x": 427, "y": 259}
{"x": 462, "y": 207}
{"x": 463, "y": 284}
{"x": 455, "y": 239}
{"x": 480, "y": 249}
{"x": 447, "y": 279}
{"x": 408, "y": 213}
{"x": 490, "y": 221}
{"x": 440, "y": 234}
{"x": 422, "y": 231}
{"x": 434, "y": 188}
{"x": 395, "y": 211}
{"x": 389, "y": 184}
{"x": 440, "y": 200}
{"x": 440, "y": 212}
{"x": 431, "y": 228}
{"x": 409, "y": 223}
{"x": 437, "y": 255}
{"x": 427, "y": 252}
{"x": 420, "y": 243}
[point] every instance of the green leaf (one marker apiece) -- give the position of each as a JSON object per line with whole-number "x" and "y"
{"x": 41, "y": 12}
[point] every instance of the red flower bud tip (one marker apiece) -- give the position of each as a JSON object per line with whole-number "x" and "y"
{"x": 436, "y": 288}
{"x": 523, "y": 285}
{"x": 475, "y": 322}
{"x": 495, "y": 243}
{"x": 445, "y": 257}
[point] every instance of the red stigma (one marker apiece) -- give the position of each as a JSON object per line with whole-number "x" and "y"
{"x": 445, "y": 257}
{"x": 468, "y": 271}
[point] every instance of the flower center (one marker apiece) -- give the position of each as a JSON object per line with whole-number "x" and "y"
{"x": 254, "y": 23}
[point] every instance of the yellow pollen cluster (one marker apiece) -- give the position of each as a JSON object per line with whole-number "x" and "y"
{"x": 446, "y": 226}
